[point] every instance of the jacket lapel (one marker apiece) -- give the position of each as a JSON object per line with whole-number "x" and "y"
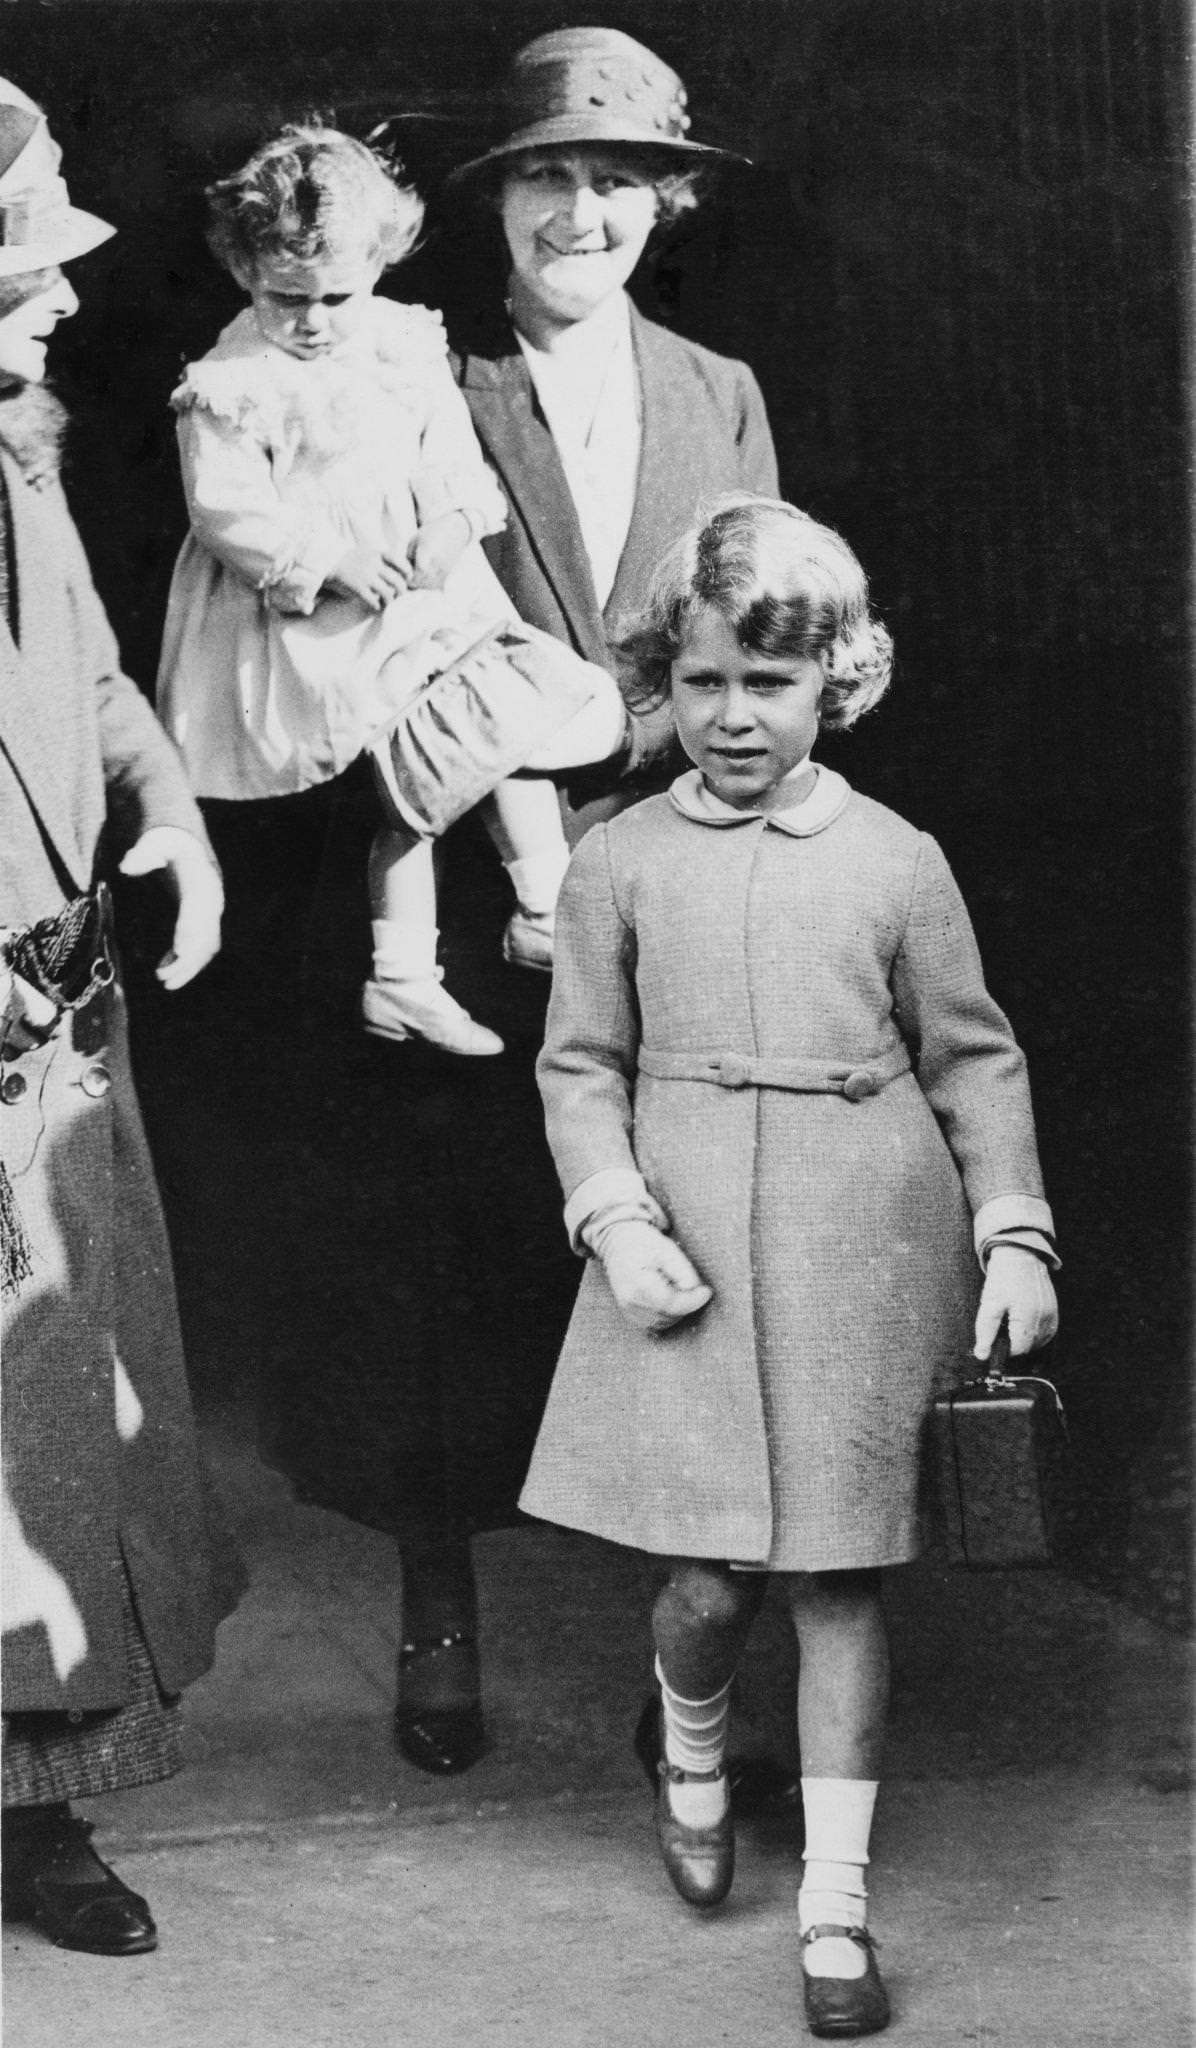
{"x": 671, "y": 474}
{"x": 28, "y": 731}
{"x": 519, "y": 443}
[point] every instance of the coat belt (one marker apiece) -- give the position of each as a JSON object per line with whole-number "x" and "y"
{"x": 854, "y": 1079}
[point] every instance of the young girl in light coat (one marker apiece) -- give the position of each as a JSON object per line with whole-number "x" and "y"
{"x": 794, "y": 1132}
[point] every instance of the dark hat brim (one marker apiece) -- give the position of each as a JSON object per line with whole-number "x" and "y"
{"x": 591, "y": 128}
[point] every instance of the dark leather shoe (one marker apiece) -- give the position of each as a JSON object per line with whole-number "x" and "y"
{"x": 700, "y": 1861}
{"x": 841, "y": 2008}
{"x": 442, "y": 1740}
{"x": 95, "y": 1913}
{"x": 762, "y": 1788}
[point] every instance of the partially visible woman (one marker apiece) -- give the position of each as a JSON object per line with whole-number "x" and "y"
{"x": 115, "y": 1572}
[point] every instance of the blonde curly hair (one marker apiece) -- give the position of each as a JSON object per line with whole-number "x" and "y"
{"x": 310, "y": 193}
{"x": 786, "y": 585}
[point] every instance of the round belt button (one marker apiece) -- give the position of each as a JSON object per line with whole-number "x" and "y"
{"x": 860, "y": 1085}
{"x": 732, "y": 1071}
{"x": 95, "y": 1081}
{"x": 12, "y": 1087}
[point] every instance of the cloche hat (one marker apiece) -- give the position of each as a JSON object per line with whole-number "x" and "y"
{"x": 39, "y": 227}
{"x": 579, "y": 85}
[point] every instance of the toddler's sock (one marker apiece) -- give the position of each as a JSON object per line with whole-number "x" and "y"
{"x": 838, "y": 1815}
{"x": 405, "y": 952}
{"x": 536, "y": 879}
{"x": 695, "y": 1739}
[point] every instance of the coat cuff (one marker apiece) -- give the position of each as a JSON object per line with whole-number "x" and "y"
{"x": 1019, "y": 1218}
{"x": 614, "y": 1194}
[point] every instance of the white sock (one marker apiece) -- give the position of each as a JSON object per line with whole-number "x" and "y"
{"x": 405, "y": 952}
{"x": 536, "y": 879}
{"x": 695, "y": 1739}
{"x": 838, "y": 1815}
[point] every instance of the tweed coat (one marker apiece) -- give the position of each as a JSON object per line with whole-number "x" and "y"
{"x": 704, "y": 432}
{"x": 780, "y": 1426}
{"x": 79, "y": 749}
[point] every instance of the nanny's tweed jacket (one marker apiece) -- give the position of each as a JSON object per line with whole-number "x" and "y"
{"x": 79, "y": 746}
{"x": 780, "y": 1426}
{"x": 704, "y": 432}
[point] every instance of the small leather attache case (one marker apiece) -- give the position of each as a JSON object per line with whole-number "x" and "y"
{"x": 998, "y": 1453}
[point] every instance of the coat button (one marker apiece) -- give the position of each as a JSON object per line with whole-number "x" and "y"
{"x": 732, "y": 1071}
{"x": 860, "y": 1085}
{"x": 12, "y": 1087}
{"x": 95, "y": 1081}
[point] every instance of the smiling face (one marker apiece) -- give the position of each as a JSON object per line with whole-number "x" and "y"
{"x": 311, "y": 309}
{"x": 745, "y": 720}
{"x": 576, "y": 221}
{"x": 25, "y": 330}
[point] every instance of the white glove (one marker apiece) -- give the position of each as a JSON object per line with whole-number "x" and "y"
{"x": 653, "y": 1282}
{"x": 198, "y": 892}
{"x": 1017, "y": 1289}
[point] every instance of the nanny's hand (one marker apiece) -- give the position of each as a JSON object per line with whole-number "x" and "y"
{"x": 199, "y": 893}
{"x": 437, "y": 549}
{"x": 653, "y": 1282}
{"x": 373, "y": 577}
{"x": 1017, "y": 1287}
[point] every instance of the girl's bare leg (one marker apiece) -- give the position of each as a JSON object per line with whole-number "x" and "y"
{"x": 843, "y": 1690}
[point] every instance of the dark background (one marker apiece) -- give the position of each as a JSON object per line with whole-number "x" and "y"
{"x": 960, "y": 271}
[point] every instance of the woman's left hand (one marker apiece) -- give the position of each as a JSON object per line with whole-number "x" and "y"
{"x": 199, "y": 893}
{"x": 1017, "y": 1289}
{"x": 437, "y": 549}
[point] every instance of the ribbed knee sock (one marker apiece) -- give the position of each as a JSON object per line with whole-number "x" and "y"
{"x": 695, "y": 1739}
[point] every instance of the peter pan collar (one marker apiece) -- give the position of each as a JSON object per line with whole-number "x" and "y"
{"x": 814, "y": 813}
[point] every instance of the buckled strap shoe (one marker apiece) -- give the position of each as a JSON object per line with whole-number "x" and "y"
{"x": 58, "y": 1883}
{"x": 700, "y": 1861}
{"x": 762, "y": 1787}
{"x": 842, "y": 2008}
{"x": 441, "y": 1740}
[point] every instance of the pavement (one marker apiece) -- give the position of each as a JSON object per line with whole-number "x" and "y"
{"x": 1029, "y": 1882}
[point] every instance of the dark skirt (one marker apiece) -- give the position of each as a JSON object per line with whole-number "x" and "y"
{"x": 391, "y": 1240}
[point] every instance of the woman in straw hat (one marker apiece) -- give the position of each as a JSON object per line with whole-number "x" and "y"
{"x": 608, "y": 431}
{"x": 110, "y": 1598}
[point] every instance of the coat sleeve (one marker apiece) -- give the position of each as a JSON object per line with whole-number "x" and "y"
{"x": 237, "y": 511}
{"x": 966, "y": 1059}
{"x": 587, "y": 1067}
{"x": 144, "y": 779}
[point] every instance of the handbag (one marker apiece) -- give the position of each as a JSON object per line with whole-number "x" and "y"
{"x": 999, "y": 1452}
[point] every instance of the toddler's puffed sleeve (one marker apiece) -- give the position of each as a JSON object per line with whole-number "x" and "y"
{"x": 967, "y": 1061}
{"x": 284, "y": 550}
{"x": 587, "y": 1067}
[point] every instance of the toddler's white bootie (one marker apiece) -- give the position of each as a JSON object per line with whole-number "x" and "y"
{"x": 423, "y": 1009}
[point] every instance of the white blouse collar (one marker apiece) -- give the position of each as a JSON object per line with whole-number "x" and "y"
{"x": 813, "y": 813}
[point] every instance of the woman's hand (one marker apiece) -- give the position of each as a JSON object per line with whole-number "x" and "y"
{"x": 199, "y": 893}
{"x": 373, "y": 577}
{"x": 437, "y": 549}
{"x": 1017, "y": 1289}
{"x": 653, "y": 1282}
